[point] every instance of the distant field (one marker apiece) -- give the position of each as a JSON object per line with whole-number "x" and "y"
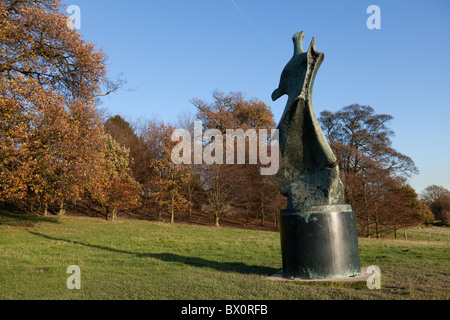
{"x": 148, "y": 260}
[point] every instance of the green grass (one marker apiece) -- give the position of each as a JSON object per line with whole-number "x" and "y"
{"x": 147, "y": 260}
{"x": 423, "y": 234}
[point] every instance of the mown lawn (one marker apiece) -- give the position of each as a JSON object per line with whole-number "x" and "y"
{"x": 132, "y": 259}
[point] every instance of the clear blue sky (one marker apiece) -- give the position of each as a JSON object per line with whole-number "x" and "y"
{"x": 174, "y": 50}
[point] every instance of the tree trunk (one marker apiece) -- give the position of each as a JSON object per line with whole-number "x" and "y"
{"x": 276, "y": 220}
{"x": 62, "y": 211}
{"x": 368, "y": 226}
{"x": 216, "y": 220}
{"x": 190, "y": 204}
{"x": 114, "y": 214}
{"x": 367, "y": 210}
{"x": 172, "y": 211}
{"x": 262, "y": 211}
{"x": 377, "y": 231}
{"x": 247, "y": 215}
{"x": 45, "y": 210}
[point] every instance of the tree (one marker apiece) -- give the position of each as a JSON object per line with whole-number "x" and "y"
{"x": 125, "y": 134}
{"x": 52, "y": 139}
{"x": 372, "y": 171}
{"x": 121, "y": 131}
{"x": 114, "y": 188}
{"x": 50, "y": 81}
{"x": 37, "y": 44}
{"x": 233, "y": 111}
{"x": 359, "y": 137}
{"x": 193, "y": 186}
{"x": 272, "y": 201}
{"x": 170, "y": 178}
{"x": 403, "y": 208}
{"x": 222, "y": 191}
{"x": 384, "y": 203}
{"x": 437, "y": 198}
{"x": 229, "y": 187}
{"x": 421, "y": 211}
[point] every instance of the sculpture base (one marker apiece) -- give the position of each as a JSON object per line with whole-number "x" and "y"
{"x": 320, "y": 243}
{"x": 363, "y": 277}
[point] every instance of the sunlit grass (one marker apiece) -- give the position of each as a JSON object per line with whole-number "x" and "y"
{"x": 147, "y": 260}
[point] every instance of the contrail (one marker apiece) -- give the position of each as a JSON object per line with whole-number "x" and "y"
{"x": 255, "y": 26}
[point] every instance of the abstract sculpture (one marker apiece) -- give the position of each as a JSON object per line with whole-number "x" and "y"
{"x": 318, "y": 231}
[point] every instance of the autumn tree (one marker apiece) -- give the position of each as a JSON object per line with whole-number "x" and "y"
{"x": 402, "y": 209}
{"x": 252, "y": 200}
{"x": 437, "y": 198}
{"x": 59, "y": 172}
{"x": 114, "y": 188}
{"x": 121, "y": 131}
{"x": 229, "y": 187}
{"x": 169, "y": 178}
{"x": 233, "y": 111}
{"x": 372, "y": 171}
{"x": 193, "y": 186}
{"x": 125, "y": 133}
{"x": 421, "y": 212}
{"x": 50, "y": 82}
{"x": 150, "y": 132}
{"x": 272, "y": 201}
{"x": 359, "y": 137}
{"x": 385, "y": 203}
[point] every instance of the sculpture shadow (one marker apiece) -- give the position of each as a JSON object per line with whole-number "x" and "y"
{"x": 237, "y": 267}
{"x": 198, "y": 262}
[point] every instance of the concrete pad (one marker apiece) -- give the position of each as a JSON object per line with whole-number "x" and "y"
{"x": 359, "y": 278}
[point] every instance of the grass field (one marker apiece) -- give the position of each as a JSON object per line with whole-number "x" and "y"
{"x": 132, "y": 259}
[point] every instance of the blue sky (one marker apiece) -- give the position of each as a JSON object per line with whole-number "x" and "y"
{"x": 172, "y": 51}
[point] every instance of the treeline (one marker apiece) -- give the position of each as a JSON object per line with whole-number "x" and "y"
{"x": 56, "y": 147}
{"x": 217, "y": 189}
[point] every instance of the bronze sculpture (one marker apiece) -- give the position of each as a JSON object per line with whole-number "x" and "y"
{"x": 318, "y": 231}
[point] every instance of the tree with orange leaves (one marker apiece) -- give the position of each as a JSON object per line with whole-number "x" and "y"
{"x": 239, "y": 188}
{"x": 169, "y": 179}
{"x": 50, "y": 82}
{"x": 114, "y": 187}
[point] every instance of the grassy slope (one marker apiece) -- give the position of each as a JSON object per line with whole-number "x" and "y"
{"x": 147, "y": 260}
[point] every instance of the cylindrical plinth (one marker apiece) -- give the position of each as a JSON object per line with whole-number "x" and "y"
{"x": 320, "y": 242}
